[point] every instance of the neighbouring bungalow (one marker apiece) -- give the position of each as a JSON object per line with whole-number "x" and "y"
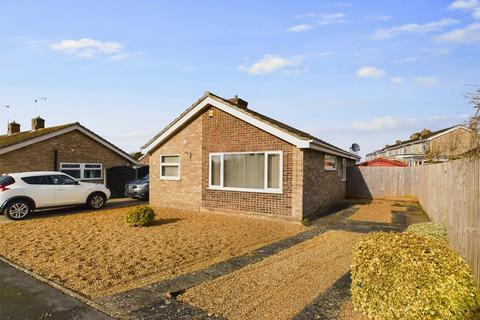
{"x": 382, "y": 162}
{"x": 70, "y": 148}
{"x": 220, "y": 155}
{"x": 428, "y": 147}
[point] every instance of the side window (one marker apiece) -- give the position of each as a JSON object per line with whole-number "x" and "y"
{"x": 62, "y": 180}
{"x": 37, "y": 180}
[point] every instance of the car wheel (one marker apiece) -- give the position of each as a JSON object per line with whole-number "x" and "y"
{"x": 96, "y": 201}
{"x": 18, "y": 210}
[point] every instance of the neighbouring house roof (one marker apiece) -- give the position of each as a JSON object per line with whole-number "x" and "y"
{"x": 285, "y": 132}
{"x": 425, "y": 137}
{"x": 22, "y": 139}
{"x": 382, "y": 162}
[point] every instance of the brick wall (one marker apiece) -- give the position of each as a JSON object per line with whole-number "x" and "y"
{"x": 73, "y": 146}
{"x": 321, "y": 188}
{"x": 186, "y": 192}
{"x": 225, "y": 133}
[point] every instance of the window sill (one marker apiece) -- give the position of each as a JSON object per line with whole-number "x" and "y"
{"x": 331, "y": 170}
{"x": 246, "y": 190}
{"x": 170, "y": 178}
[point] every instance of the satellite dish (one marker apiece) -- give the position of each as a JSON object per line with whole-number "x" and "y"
{"x": 355, "y": 147}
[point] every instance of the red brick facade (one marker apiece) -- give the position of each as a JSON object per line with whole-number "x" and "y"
{"x": 225, "y": 133}
{"x": 73, "y": 146}
{"x": 307, "y": 187}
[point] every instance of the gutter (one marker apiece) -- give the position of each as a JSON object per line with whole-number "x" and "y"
{"x": 315, "y": 145}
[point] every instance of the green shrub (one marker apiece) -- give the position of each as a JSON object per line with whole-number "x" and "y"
{"x": 406, "y": 276}
{"x": 306, "y": 222}
{"x": 429, "y": 230}
{"x": 140, "y": 216}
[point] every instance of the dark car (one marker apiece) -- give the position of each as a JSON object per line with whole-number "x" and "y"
{"x": 137, "y": 189}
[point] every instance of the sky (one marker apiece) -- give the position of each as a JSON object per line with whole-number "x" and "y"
{"x": 366, "y": 72}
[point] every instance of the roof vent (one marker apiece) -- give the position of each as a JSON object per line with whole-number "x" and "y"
{"x": 13, "y": 128}
{"x": 38, "y": 123}
{"x": 238, "y": 102}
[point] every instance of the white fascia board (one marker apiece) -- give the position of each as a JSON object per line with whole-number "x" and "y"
{"x": 299, "y": 143}
{"x": 63, "y": 131}
{"x": 327, "y": 149}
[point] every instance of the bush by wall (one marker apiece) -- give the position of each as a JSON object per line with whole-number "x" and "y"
{"x": 406, "y": 276}
{"x": 429, "y": 230}
{"x": 140, "y": 216}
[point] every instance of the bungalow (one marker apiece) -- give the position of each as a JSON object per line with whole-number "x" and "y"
{"x": 70, "y": 148}
{"x": 220, "y": 155}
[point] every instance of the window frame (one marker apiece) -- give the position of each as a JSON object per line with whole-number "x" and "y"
{"x": 82, "y": 169}
{"x": 266, "y": 189}
{"x": 325, "y": 160}
{"x": 170, "y": 164}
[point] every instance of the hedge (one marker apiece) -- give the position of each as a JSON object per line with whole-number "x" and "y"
{"x": 140, "y": 216}
{"x": 406, "y": 276}
{"x": 429, "y": 230}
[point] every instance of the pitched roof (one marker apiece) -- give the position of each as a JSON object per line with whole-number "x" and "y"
{"x": 298, "y": 134}
{"x": 15, "y": 141}
{"x": 419, "y": 138}
{"x": 382, "y": 162}
{"x": 9, "y": 140}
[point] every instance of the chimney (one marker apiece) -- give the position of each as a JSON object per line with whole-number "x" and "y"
{"x": 38, "y": 123}
{"x": 13, "y": 128}
{"x": 239, "y": 102}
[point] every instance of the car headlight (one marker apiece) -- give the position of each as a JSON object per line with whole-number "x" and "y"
{"x": 141, "y": 186}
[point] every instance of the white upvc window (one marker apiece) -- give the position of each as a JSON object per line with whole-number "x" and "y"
{"x": 344, "y": 170}
{"x": 246, "y": 171}
{"x": 83, "y": 171}
{"x": 330, "y": 163}
{"x": 170, "y": 167}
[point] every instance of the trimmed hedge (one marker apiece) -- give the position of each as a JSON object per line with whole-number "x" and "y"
{"x": 140, "y": 216}
{"x": 406, "y": 276}
{"x": 429, "y": 230}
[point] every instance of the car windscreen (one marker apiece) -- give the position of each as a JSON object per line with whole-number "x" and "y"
{"x": 145, "y": 178}
{"x": 6, "y": 180}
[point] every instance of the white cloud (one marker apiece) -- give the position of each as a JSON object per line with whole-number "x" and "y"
{"x": 87, "y": 48}
{"x": 427, "y": 80}
{"x": 469, "y": 34}
{"x": 413, "y": 28}
{"x": 476, "y": 14}
{"x": 378, "y": 18}
{"x": 405, "y": 60}
{"x": 270, "y": 63}
{"x": 120, "y": 57}
{"x": 397, "y": 80}
{"x": 301, "y": 27}
{"x": 370, "y": 72}
{"x": 464, "y": 4}
{"x": 323, "y": 19}
{"x": 381, "y": 123}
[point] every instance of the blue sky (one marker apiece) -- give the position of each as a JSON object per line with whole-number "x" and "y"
{"x": 368, "y": 72}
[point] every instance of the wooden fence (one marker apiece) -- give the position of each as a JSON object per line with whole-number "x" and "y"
{"x": 448, "y": 192}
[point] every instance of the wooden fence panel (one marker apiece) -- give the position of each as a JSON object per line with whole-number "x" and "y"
{"x": 448, "y": 192}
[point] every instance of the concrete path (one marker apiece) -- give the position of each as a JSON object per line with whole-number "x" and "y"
{"x": 25, "y": 298}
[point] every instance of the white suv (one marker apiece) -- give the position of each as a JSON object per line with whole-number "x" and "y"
{"x": 21, "y": 193}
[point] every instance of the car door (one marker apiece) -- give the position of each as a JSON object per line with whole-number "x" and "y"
{"x": 41, "y": 190}
{"x": 68, "y": 191}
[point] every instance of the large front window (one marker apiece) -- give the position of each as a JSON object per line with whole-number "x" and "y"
{"x": 83, "y": 171}
{"x": 246, "y": 171}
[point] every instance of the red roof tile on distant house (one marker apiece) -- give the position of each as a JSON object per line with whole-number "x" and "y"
{"x": 382, "y": 162}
